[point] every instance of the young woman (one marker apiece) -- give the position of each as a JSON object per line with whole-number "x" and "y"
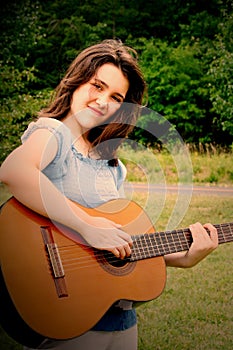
{"x": 69, "y": 155}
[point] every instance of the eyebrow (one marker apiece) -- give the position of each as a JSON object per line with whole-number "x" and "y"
{"x": 106, "y": 85}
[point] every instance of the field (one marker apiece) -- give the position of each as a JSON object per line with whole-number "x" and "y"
{"x": 195, "y": 310}
{"x": 184, "y": 164}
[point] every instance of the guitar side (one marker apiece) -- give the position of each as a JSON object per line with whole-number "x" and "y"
{"x": 65, "y": 301}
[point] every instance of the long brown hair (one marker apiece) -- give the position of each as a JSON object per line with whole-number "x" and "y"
{"x": 81, "y": 70}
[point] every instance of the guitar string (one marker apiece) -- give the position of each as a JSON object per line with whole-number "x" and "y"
{"x": 139, "y": 251}
{"x": 148, "y": 247}
{"x": 151, "y": 246}
{"x": 88, "y": 261}
{"x": 156, "y": 242}
{"x": 174, "y": 238}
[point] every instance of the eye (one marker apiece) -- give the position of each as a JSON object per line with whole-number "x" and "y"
{"x": 99, "y": 87}
{"x": 117, "y": 99}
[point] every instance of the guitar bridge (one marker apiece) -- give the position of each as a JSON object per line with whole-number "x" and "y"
{"x": 55, "y": 261}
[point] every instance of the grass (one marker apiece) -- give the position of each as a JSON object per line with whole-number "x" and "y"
{"x": 152, "y": 166}
{"x": 195, "y": 310}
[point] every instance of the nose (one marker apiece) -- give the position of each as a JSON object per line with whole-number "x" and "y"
{"x": 102, "y": 101}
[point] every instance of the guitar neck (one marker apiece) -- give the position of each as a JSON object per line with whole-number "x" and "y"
{"x": 161, "y": 243}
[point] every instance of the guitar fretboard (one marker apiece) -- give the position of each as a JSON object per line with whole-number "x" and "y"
{"x": 162, "y": 243}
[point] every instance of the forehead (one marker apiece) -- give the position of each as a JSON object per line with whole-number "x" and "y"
{"x": 113, "y": 78}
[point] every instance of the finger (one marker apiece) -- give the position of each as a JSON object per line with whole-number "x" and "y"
{"x": 117, "y": 225}
{"x": 119, "y": 252}
{"x": 213, "y": 233}
{"x": 115, "y": 252}
{"x": 197, "y": 229}
{"x": 127, "y": 250}
{"x": 126, "y": 237}
{"x": 122, "y": 252}
{"x": 202, "y": 237}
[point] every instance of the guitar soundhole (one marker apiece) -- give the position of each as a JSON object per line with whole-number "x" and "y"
{"x": 113, "y": 265}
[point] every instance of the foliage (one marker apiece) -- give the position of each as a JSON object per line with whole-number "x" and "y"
{"x": 149, "y": 165}
{"x": 15, "y": 115}
{"x": 185, "y": 51}
{"x": 177, "y": 88}
{"x": 221, "y": 72}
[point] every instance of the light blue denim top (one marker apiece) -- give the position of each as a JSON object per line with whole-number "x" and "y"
{"x": 89, "y": 182}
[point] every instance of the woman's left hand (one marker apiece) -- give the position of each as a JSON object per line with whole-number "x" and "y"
{"x": 203, "y": 244}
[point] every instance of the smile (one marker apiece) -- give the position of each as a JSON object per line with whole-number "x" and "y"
{"x": 96, "y": 111}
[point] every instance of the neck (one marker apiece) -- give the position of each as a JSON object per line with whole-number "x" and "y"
{"x": 73, "y": 125}
{"x": 162, "y": 243}
{"x": 81, "y": 144}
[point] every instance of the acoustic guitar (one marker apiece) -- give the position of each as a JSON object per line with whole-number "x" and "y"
{"x": 52, "y": 286}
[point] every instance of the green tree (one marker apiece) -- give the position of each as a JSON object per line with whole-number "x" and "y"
{"x": 221, "y": 74}
{"x": 177, "y": 87}
{"x": 185, "y": 51}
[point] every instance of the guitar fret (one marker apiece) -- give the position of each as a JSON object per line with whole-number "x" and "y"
{"x": 230, "y": 230}
{"x": 162, "y": 243}
{"x": 136, "y": 250}
{"x": 223, "y": 238}
{"x": 157, "y": 245}
{"x": 229, "y": 235}
{"x": 151, "y": 248}
{"x": 179, "y": 244}
{"x": 171, "y": 243}
{"x": 166, "y": 246}
{"x": 225, "y": 233}
{"x": 143, "y": 253}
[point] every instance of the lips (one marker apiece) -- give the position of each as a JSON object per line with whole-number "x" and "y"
{"x": 96, "y": 111}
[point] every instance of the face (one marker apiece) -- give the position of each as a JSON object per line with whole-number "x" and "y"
{"x": 94, "y": 102}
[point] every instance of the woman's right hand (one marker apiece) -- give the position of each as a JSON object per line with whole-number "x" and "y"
{"x": 105, "y": 234}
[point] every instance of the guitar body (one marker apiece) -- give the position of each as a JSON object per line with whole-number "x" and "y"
{"x": 61, "y": 288}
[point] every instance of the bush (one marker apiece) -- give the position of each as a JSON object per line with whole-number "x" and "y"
{"x": 15, "y": 115}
